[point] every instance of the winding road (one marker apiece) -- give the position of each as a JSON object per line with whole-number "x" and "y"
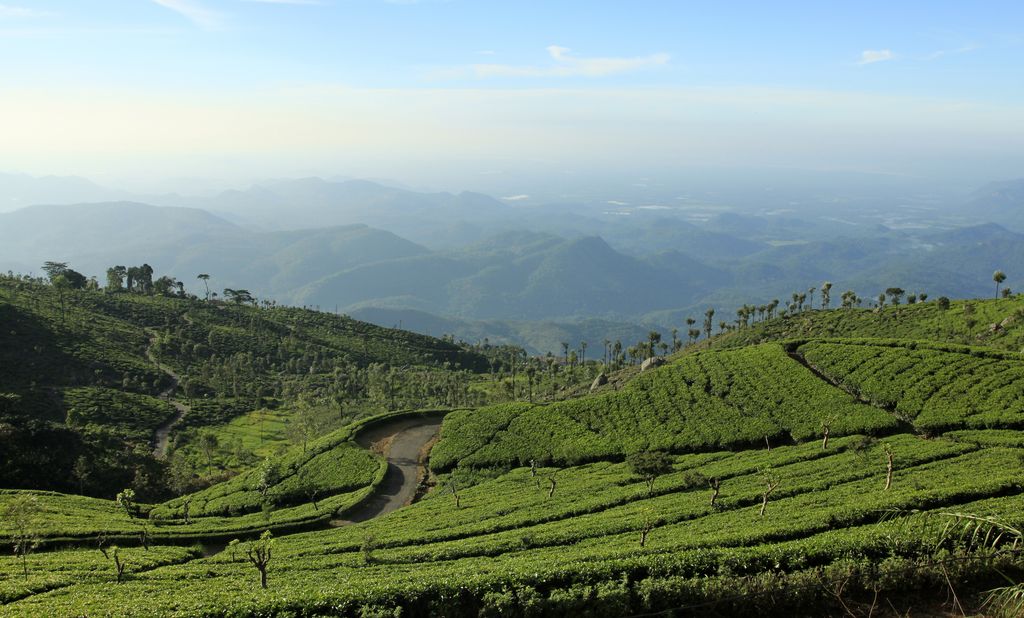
{"x": 406, "y": 440}
{"x": 162, "y": 435}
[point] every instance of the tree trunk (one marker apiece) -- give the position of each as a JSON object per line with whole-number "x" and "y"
{"x": 263, "y": 577}
{"x": 824, "y": 440}
{"x": 888, "y": 470}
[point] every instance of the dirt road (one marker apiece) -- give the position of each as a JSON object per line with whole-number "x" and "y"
{"x": 163, "y": 433}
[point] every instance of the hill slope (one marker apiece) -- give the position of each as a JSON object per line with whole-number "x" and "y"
{"x": 874, "y": 446}
{"x": 85, "y": 377}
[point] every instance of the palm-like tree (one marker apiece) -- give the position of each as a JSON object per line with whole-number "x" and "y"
{"x": 826, "y": 294}
{"x": 998, "y": 276}
{"x": 205, "y": 277}
{"x": 653, "y": 338}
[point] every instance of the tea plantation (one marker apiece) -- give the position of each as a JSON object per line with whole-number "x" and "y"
{"x": 843, "y": 462}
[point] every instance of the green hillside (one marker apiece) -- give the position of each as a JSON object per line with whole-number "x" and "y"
{"x": 825, "y": 463}
{"x": 990, "y": 323}
{"x": 98, "y": 377}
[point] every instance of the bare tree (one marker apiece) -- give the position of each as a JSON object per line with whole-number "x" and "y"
{"x": 646, "y": 526}
{"x": 119, "y": 564}
{"x": 888, "y": 467}
{"x": 22, "y": 513}
{"x": 771, "y": 481}
{"x": 258, "y": 553}
{"x": 716, "y": 485}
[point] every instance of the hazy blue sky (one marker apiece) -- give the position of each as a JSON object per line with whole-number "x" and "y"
{"x": 234, "y": 88}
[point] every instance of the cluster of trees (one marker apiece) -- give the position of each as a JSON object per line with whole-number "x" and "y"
{"x": 616, "y": 356}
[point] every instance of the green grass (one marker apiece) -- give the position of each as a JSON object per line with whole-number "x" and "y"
{"x": 261, "y": 431}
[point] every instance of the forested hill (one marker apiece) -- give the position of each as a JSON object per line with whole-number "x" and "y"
{"x": 87, "y": 378}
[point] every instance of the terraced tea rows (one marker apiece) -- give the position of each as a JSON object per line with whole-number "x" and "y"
{"x": 510, "y": 544}
{"x": 806, "y": 475}
{"x": 704, "y": 401}
{"x": 937, "y": 389}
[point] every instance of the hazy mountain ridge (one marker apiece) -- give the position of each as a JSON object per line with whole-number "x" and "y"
{"x": 537, "y": 337}
{"x": 1002, "y": 202}
{"x": 21, "y": 190}
{"x": 314, "y": 202}
{"x": 654, "y": 267}
{"x": 184, "y": 242}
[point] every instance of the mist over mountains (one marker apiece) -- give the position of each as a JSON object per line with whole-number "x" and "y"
{"x": 511, "y": 270}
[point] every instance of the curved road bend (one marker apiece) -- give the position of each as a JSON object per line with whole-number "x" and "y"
{"x": 408, "y": 437}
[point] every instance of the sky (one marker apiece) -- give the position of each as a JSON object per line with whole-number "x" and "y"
{"x": 441, "y": 92}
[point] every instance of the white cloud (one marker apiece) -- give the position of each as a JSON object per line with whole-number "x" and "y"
{"x": 8, "y": 11}
{"x": 935, "y": 55}
{"x": 194, "y": 12}
{"x": 516, "y": 198}
{"x": 564, "y": 65}
{"x": 871, "y": 56}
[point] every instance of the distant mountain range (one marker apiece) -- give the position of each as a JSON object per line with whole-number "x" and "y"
{"x": 20, "y": 190}
{"x": 184, "y": 242}
{"x": 582, "y": 275}
{"x": 1001, "y": 202}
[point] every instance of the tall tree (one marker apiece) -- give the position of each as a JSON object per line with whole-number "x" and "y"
{"x": 164, "y": 285}
{"x": 52, "y": 269}
{"x": 206, "y": 282}
{"x": 653, "y": 337}
{"x": 62, "y": 285}
{"x": 894, "y": 294}
{"x": 998, "y": 276}
{"x": 709, "y": 323}
{"x": 115, "y": 278}
{"x": 207, "y": 443}
{"x": 146, "y": 278}
{"x": 826, "y": 294}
